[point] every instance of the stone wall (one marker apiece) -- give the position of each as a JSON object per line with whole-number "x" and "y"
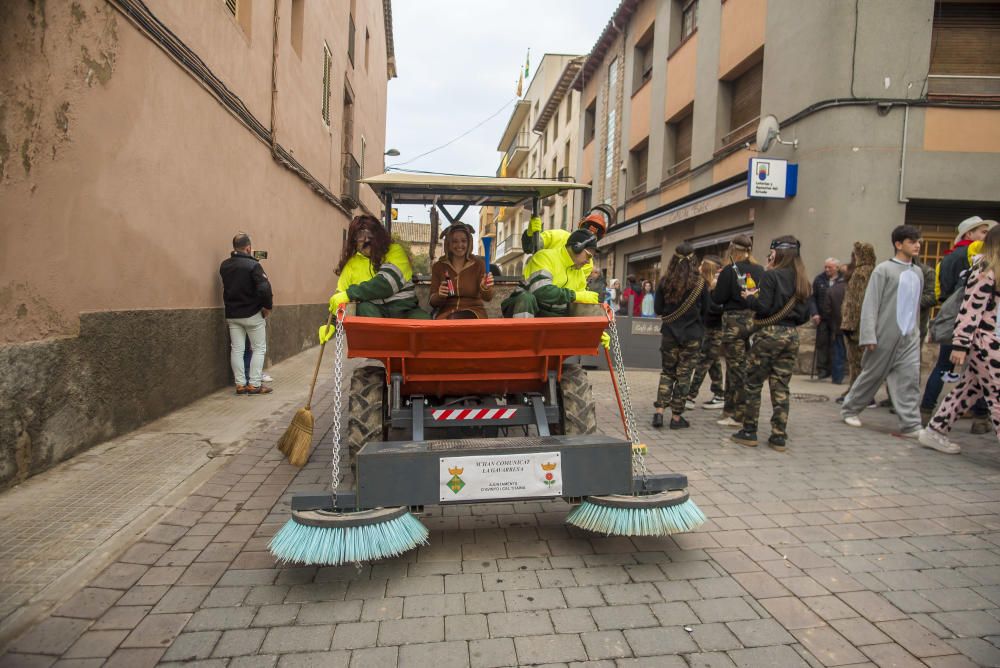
{"x": 63, "y": 395}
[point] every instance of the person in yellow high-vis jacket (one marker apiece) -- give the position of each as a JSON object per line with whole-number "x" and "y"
{"x": 597, "y": 220}
{"x": 376, "y": 273}
{"x": 554, "y": 278}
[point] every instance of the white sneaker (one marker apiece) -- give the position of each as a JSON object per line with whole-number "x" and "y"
{"x": 728, "y": 422}
{"x": 852, "y": 420}
{"x": 937, "y": 441}
{"x": 689, "y": 405}
{"x": 714, "y": 402}
{"x": 915, "y": 434}
{"x": 267, "y": 378}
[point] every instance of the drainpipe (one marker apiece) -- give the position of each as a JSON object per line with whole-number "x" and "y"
{"x": 902, "y": 154}
{"x": 274, "y": 81}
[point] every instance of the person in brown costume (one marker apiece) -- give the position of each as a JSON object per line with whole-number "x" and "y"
{"x": 460, "y": 282}
{"x": 860, "y": 270}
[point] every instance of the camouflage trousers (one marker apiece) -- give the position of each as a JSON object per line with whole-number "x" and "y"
{"x": 709, "y": 362}
{"x": 735, "y": 344}
{"x": 772, "y": 358}
{"x": 678, "y": 361}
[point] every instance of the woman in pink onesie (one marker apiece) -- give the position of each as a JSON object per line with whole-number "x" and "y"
{"x": 976, "y": 339}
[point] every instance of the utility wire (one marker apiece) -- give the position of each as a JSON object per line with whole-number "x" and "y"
{"x": 464, "y": 134}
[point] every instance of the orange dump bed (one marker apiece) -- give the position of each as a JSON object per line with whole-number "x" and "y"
{"x": 456, "y": 357}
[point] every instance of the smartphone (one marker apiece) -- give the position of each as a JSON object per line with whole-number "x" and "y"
{"x": 260, "y": 255}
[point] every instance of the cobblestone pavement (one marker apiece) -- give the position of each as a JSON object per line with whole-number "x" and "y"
{"x": 59, "y": 526}
{"x": 854, "y": 548}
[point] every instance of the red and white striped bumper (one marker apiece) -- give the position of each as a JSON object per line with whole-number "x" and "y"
{"x": 453, "y": 414}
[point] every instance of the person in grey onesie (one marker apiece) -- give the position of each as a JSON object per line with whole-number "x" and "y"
{"x": 889, "y": 334}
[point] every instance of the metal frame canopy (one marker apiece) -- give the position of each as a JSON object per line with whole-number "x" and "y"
{"x": 433, "y": 189}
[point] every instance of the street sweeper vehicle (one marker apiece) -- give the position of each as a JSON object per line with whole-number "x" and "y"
{"x": 449, "y": 412}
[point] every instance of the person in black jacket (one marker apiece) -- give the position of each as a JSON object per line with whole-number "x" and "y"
{"x": 246, "y": 293}
{"x": 709, "y": 357}
{"x": 821, "y": 317}
{"x": 832, "y": 301}
{"x": 742, "y": 270}
{"x": 681, "y": 300}
{"x": 779, "y": 305}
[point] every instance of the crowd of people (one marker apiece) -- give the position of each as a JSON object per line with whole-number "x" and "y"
{"x": 871, "y": 320}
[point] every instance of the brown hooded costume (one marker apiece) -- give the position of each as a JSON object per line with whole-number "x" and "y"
{"x": 850, "y": 311}
{"x": 469, "y": 294}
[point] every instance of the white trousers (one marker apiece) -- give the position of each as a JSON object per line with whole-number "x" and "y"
{"x": 239, "y": 329}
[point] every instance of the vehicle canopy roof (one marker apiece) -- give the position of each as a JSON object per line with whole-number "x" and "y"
{"x": 407, "y": 188}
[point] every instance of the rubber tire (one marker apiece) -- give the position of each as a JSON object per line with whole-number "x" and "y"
{"x": 365, "y": 409}
{"x": 577, "y": 411}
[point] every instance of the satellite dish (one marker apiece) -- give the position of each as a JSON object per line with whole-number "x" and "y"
{"x": 768, "y": 132}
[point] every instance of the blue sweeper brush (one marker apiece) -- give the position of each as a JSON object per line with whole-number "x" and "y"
{"x": 332, "y": 538}
{"x": 328, "y": 529}
{"x": 656, "y": 514}
{"x": 660, "y": 504}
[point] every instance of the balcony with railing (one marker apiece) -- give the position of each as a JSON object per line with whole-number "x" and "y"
{"x": 349, "y": 181}
{"x": 518, "y": 150}
{"x": 677, "y": 171}
{"x": 739, "y": 135}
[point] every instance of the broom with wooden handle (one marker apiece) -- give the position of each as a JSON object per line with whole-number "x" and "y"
{"x": 296, "y": 442}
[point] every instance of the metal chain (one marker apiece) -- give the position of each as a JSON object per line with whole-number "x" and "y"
{"x": 638, "y": 459}
{"x": 339, "y": 340}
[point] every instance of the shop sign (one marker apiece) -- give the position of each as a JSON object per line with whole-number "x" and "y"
{"x": 498, "y": 477}
{"x": 772, "y": 179}
{"x": 646, "y": 326}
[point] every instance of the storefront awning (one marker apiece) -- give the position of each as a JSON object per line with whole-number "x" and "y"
{"x": 621, "y": 234}
{"x": 714, "y": 201}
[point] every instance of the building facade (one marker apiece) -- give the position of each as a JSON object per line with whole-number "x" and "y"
{"x": 894, "y": 106}
{"x": 135, "y": 141}
{"x": 540, "y": 140}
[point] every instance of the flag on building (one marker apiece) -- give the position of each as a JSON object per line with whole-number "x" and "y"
{"x": 527, "y": 66}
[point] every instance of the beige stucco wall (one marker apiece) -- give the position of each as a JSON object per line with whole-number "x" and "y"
{"x": 136, "y": 188}
{"x": 122, "y": 182}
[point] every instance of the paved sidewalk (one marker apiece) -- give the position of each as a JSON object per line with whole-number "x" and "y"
{"x": 854, "y": 548}
{"x": 67, "y": 524}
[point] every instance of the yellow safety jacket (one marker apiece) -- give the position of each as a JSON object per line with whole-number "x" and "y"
{"x": 389, "y": 283}
{"x": 557, "y": 239}
{"x": 553, "y": 280}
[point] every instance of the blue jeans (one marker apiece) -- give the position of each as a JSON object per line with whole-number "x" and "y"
{"x": 935, "y": 384}
{"x": 838, "y": 358}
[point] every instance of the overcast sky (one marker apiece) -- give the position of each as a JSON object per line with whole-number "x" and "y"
{"x": 458, "y": 62}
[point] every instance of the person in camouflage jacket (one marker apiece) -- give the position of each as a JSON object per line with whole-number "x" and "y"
{"x": 861, "y": 267}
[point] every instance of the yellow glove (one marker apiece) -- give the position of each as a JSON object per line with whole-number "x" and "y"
{"x": 337, "y": 299}
{"x": 606, "y": 340}
{"x": 534, "y": 225}
{"x": 326, "y": 333}
{"x": 586, "y": 297}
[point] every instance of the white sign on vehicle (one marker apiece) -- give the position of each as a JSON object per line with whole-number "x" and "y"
{"x": 498, "y": 477}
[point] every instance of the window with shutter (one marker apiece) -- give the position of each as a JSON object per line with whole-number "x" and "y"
{"x": 965, "y": 49}
{"x": 679, "y": 131}
{"x": 350, "y": 39}
{"x": 746, "y": 97}
{"x": 327, "y": 64}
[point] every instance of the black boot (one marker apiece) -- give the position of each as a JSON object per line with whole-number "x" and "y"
{"x": 657, "y": 420}
{"x": 744, "y": 437}
{"x": 776, "y": 443}
{"x": 679, "y": 423}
